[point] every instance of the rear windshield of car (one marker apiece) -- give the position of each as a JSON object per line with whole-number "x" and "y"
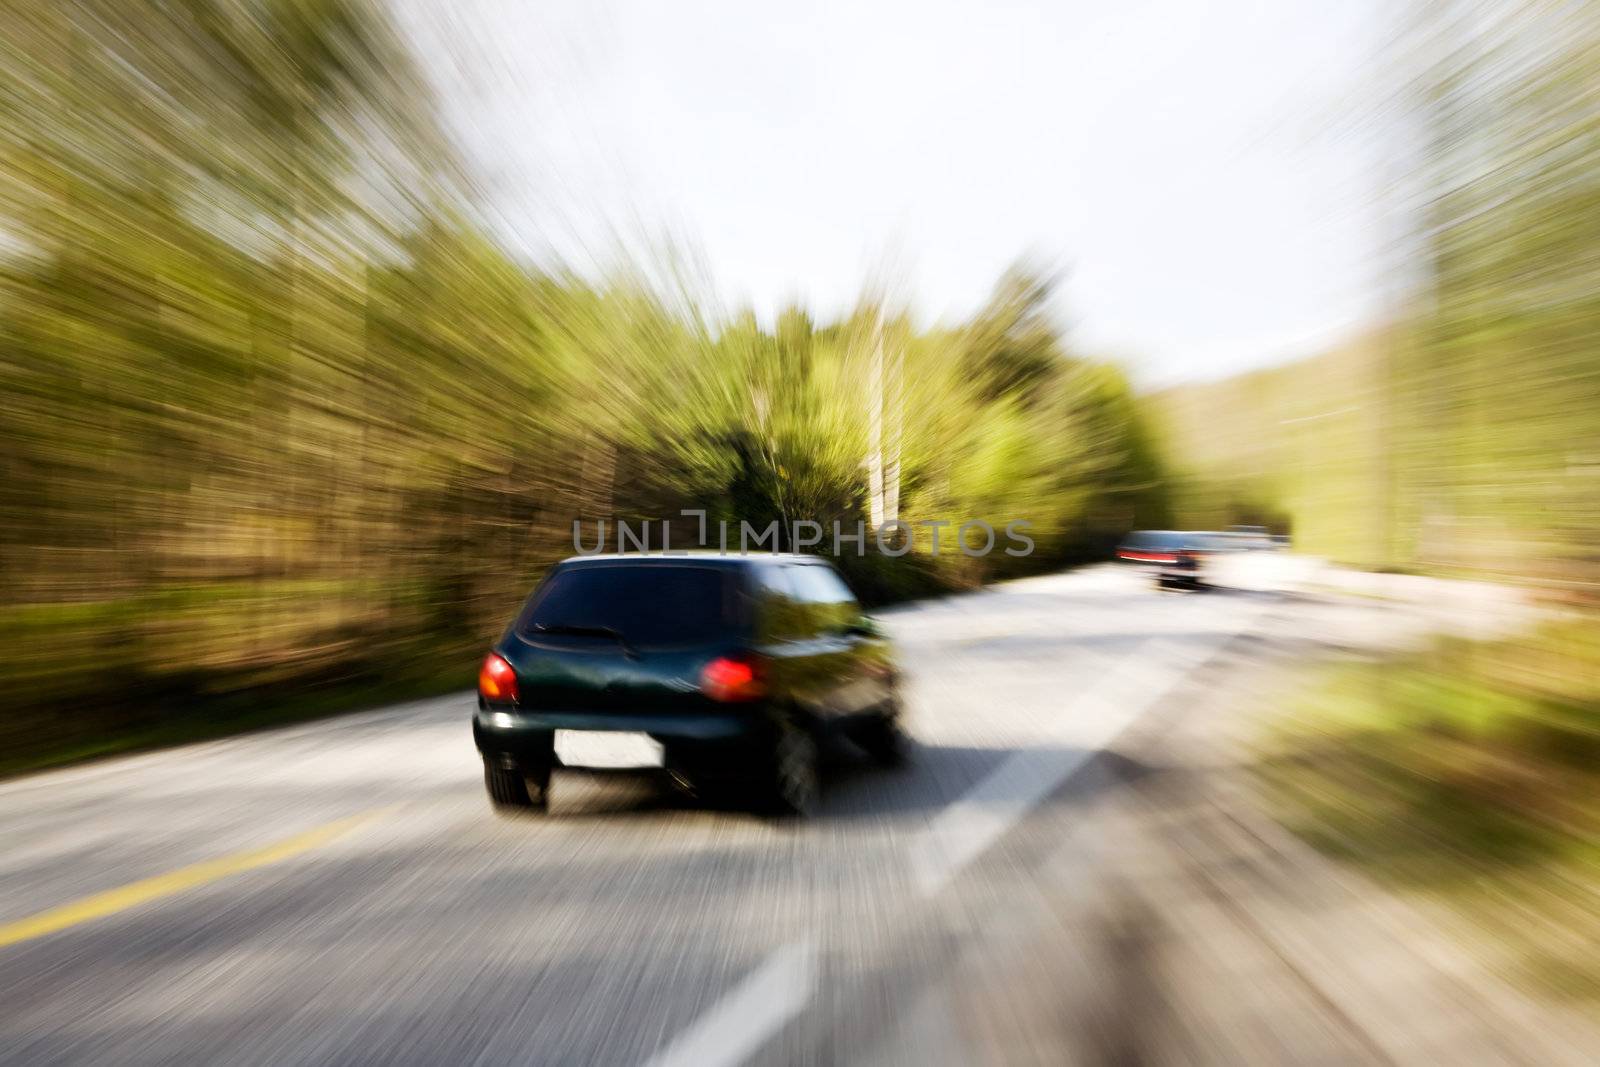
{"x": 1156, "y": 539}
{"x": 646, "y": 605}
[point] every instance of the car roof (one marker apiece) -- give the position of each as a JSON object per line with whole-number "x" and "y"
{"x": 1169, "y": 538}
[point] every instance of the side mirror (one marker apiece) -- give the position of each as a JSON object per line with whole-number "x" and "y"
{"x": 863, "y": 626}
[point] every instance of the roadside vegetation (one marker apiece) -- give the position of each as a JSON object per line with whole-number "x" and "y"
{"x": 1469, "y": 775}
{"x": 286, "y": 427}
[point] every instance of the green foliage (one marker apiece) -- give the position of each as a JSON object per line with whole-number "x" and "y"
{"x": 1302, "y": 447}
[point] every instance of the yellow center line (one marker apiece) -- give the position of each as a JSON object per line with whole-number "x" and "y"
{"x": 162, "y": 885}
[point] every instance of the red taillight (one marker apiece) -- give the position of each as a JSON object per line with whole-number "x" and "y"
{"x": 497, "y": 682}
{"x": 729, "y": 679}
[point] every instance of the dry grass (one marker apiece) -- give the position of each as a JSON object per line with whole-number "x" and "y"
{"x": 1469, "y": 775}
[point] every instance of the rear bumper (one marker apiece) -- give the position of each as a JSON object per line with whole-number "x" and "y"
{"x": 522, "y": 736}
{"x": 1175, "y": 576}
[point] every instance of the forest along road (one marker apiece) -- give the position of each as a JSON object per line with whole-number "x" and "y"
{"x": 340, "y": 891}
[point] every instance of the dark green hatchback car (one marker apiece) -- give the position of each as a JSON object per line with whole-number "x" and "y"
{"x": 719, "y": 670}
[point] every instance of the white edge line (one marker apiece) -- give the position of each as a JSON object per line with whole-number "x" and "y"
{"x": 733, "y": 1028}
{"x": 968, "y": 826}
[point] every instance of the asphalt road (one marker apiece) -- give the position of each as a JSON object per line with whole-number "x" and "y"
{"x": 341, "y": 891}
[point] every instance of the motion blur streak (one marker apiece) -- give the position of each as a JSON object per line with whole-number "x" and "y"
{"x": 291, "y": 422}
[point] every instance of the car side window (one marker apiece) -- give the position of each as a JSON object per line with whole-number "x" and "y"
{"x": 784, "y": 615}
{"x": 830, "y": 600}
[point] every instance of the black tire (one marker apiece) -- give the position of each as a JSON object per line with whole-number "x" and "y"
{"x": 791, "y": 783}
{"x": 510, "y": 788}
{"x": 884, "y": 741}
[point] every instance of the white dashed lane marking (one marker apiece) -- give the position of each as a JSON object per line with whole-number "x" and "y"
{"x": 751, "y": 1012}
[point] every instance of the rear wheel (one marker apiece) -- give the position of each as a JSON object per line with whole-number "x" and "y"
{"x": 884, "y": 741}
{"x": 793, "y": 778}
{"x": 512, "y": 788}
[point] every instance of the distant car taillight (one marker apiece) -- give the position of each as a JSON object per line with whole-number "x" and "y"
{"x": 497, "y": 682}
{"x": 728, "y": 679}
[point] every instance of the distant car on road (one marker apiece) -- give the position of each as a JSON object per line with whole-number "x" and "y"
{"x": 719, "y": 670}
{"x": 1153, "y": 546}
{"x": 1176, "y": 557}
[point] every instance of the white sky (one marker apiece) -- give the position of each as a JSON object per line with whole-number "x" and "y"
{"x": 1192, "y": 165}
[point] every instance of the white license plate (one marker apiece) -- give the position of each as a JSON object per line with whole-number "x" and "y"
{"x": 612, "y": 750}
